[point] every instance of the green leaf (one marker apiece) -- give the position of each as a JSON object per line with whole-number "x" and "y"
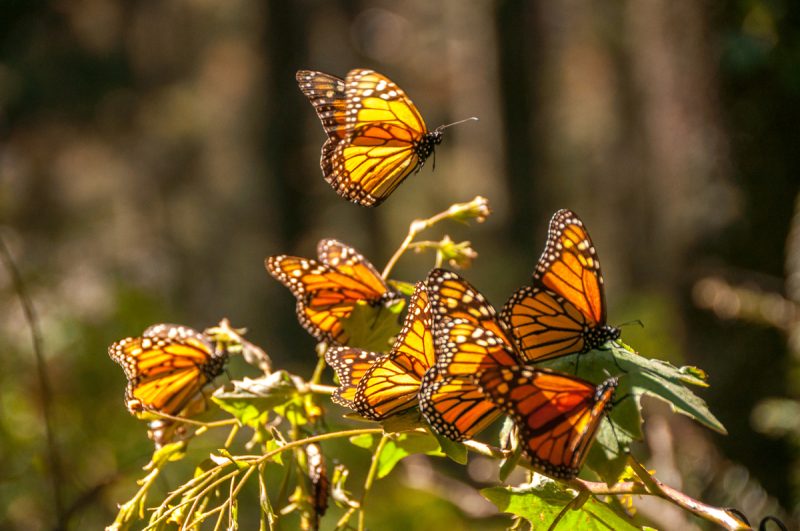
{"x": 454, "y": 450}
{"x": 169, "y": 452}
{"x": 373, "y": 327}
{"x": 406, "y": 288}
{"x": 250, "y": 400}
{"x": 541, "y": 502}
{"x": 638, "y": 376}
{"x": 365, "y": 440}
{"x": 404, "y": 445}
{"x": 406, "y": 421}
{"x": 397, "y": 447}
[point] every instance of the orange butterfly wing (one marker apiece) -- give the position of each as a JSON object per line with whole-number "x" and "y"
{"x": 166, "y": 368}
{"x": 376, "y": 136}
{"x": 450, "y": 400}
{"x": 469, "y": 339}
{"x": 327, "y": 290}
{"x": 350, "y": 364}
{"x": 452, "y": 297}
{"x": 564, "y": 312}
{"x": 557, "y": 415}
{"x": 392, "y": 383}
{"x": 569, "y": 266}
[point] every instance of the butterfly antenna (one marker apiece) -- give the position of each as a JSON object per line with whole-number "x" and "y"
{"x": 635, "y": 321}
{"x": 470, "y": 119}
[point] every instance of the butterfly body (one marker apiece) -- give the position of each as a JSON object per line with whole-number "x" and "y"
{"x": 564, "y": 310}
{"x": 376, "y": 136}
{"x": 167, "y": 367}
{"x": 328, "y": 289}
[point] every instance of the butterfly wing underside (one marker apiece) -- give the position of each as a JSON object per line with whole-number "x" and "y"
{"x": 391, "y": 385}
{"x": 557, "y": 415}
{"x": 564, "y": 311}
{"x": 327, "y": 290}
{"x": 166, "y": 367}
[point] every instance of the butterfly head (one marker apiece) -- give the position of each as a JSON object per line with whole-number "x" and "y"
{"x": 427, "y": 144}
{"x": 605, "y": 392}
{"x": 597, "y": 336}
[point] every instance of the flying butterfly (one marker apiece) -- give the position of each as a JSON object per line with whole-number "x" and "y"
{"x": 376, "y": 135}
{"x": 557, "y": 415}
{"x": 328, "y": 290}
{"x": 564, "y": 311}
{"x": 167, "y": 367}
{"x": 391, "y": 384}
{"x": 469, "y": 339}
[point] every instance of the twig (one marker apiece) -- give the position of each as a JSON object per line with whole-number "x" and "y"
{"x": 649, "y": 486}
{"x": 707, "y": 512}
{"x": 476, "y": 209}
{"x": 44, "y": 384}
{"x": 373, "y": 469}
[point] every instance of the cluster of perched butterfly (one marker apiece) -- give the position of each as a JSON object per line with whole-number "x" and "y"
{"x": 455, "y": 357}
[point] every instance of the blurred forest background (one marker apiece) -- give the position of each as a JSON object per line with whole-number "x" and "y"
{"x": 152, "y": 154}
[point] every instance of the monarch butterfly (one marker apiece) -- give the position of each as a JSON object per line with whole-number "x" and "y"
{"x": 390, "y": 385}
{"x": 327, "y": 290}
{"x": 479, "y": 374}
{"x": 167, "y": 367}
{"x": 376, "y": 136}
{"x": 469, "y": 339}
{"x": 557, "y": 415}
{"x": 564, "y": 311}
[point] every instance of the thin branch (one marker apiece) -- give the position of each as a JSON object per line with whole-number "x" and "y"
{"x": 373, "y": 470}
{"x": 476, "y": 209}
{"x": 44, "y": 384}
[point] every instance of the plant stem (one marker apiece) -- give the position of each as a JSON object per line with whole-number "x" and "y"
{"x": 373, "y": 470}
{"x": 127, "y": 509}
{"x": 301, "y": 442}
{"x": 417, "y": 226}
{"x": 44, "y": 383}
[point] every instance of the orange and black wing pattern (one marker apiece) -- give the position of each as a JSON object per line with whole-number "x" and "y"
{"x": 564, "y": 311}
{"x": 557, "y": 415}
{"x": 328, "y": 289}
{"x": 469, "y": 339}
{"x": 166, "y": 367}
{"x": 376, "y": 136}
{"x": 452, "y": 297}
{"x": 392, "y": 383}
{"x": 350, "y": 364}
{"x": 450, "y": 399}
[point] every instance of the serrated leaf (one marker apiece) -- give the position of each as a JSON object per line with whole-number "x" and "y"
{"x": 541, "y": 502}
{"x": 454, "y": 450}
{"x": 373, "y": 327}
{"x": 251, "y": 399}
{"x": 637, "y": 376}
